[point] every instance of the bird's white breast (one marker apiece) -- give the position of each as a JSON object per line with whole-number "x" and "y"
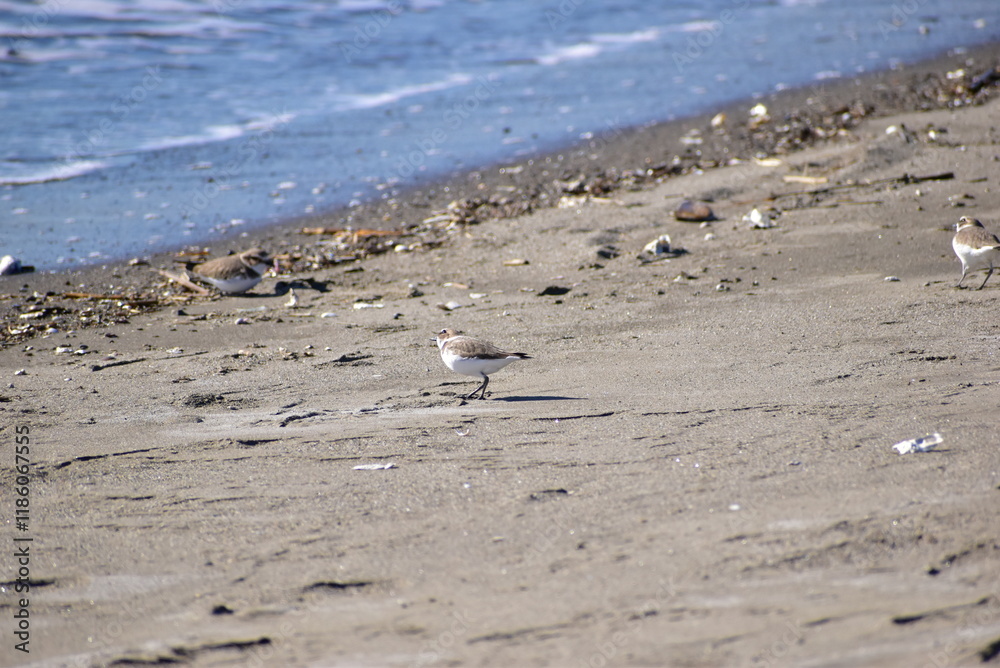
{"x": 472, "y": 366}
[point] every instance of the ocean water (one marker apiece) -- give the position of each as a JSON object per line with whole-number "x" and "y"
{"x": 128, "y": 127}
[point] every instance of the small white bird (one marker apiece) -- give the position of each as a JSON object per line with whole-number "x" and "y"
{"x": 234, "y": 274}
{"x": 976, "y": 247}
{"x": 473, "y": 357}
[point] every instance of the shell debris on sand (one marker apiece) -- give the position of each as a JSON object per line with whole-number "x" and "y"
{"x": 758, "y": 116}
{"x": 759, "y": 220}
{"x": 658, "y": 249}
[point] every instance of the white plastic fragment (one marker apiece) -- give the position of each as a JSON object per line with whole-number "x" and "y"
{"x": 921, "y": 444}
{"x": 362, "y": 305}
{"x": 375, "y": 467}
{"x": 891, "y": 279}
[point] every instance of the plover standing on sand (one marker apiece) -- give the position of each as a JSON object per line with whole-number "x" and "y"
{"x": 473, "y": 357}
{"x": 976, "y": 247}
{"x": 234, "y": 274}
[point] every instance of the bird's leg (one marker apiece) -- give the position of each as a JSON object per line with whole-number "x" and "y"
{"x": 988, "y": 274}
{"x": 964, "y": 272}
{"x": 486, "y": 381}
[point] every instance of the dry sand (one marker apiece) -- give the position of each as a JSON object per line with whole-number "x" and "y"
{"x": 695, "y": 468}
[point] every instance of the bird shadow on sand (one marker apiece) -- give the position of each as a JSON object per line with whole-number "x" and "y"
{"x": 544, "y": 397}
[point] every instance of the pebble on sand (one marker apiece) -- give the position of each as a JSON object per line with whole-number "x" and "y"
{"x": 692, "y": 211}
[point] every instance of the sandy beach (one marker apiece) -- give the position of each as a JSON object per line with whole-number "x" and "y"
{"x": 694, "y": 469}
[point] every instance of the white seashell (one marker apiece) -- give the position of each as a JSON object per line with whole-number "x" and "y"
{"x": 758, "y": 220}
{"x": 658, "y": 246}
{"x": 9, "y": 265}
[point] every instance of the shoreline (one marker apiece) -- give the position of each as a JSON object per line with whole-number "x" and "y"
{"x": 602, "y": 166}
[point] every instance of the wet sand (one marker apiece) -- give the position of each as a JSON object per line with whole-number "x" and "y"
{"x": 695, "y": 468}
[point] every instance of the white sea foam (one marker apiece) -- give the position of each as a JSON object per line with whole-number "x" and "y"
{"x": 18, "y": 174}
{"x": 572, "y": 52}
{"x": 211, "y": 134}
{"x": 648, "y": 35}
{"x": 699, "y": 26}
{"x": 371, "y": 100}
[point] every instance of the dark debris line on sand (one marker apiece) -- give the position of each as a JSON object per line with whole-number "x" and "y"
{"x": 510, "y": 192}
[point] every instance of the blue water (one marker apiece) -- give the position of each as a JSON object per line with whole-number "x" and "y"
{"x": 133, "y": 127}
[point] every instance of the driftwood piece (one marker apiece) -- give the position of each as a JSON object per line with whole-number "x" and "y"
{"x": 906, "y": 179}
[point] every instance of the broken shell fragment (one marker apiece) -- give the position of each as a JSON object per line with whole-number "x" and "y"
{"x": 759, "y": 220}
{"x": 658, "y": 246}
